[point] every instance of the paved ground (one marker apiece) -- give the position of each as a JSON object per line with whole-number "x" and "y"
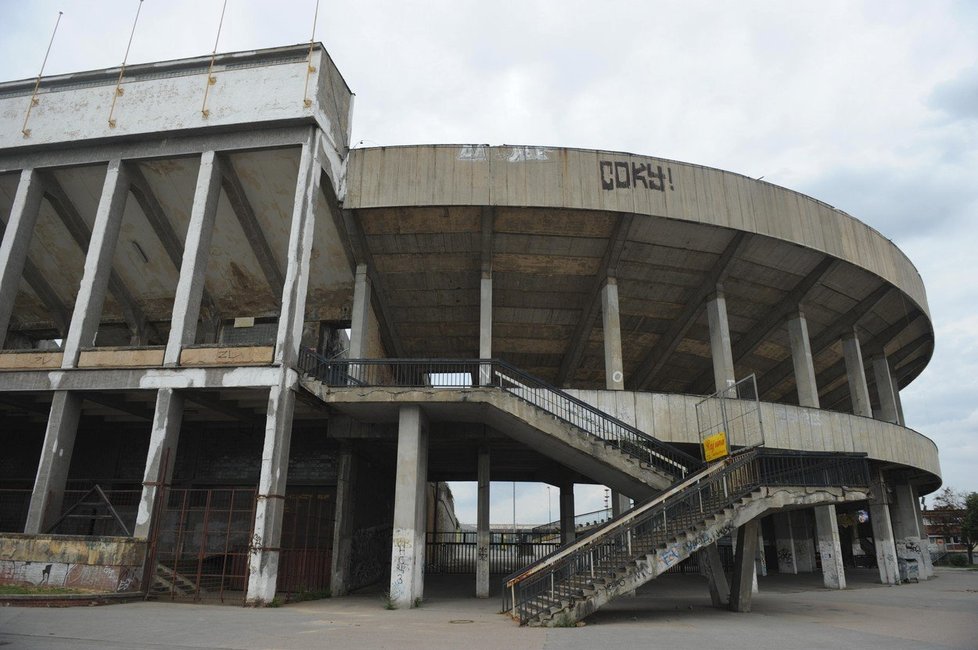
{"x": 672, "y": 612}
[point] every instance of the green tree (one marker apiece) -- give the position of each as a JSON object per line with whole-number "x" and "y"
{"x": 969, "y": 525}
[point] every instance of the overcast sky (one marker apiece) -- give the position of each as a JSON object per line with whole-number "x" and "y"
{"x": 869, "y": 106}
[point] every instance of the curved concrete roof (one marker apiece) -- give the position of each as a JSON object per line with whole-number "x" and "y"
{"x": 552, "y": 224}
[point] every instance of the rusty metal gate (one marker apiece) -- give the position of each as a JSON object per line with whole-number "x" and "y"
{"x": 201, "y": 546}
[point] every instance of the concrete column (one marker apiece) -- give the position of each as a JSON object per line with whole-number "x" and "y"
{"x": 784, "y": 542}
{"x": 830, "y": 547}
{"x": 482, "y": 527}
{"x": 723, "y": 366}
{"x": 98, "y": 264}
{"x": 568, "y": 532}
{"x": 761, "y": 555}
{"x": 856, "y": 375}
{"x": 744, "y": 576}
{"x": 485, "y": 326}
{"x": 343, "y": 522}
{"x": 16, "y": 240}
{"x": 360, "y": 318}
{"x": 614, "y": 371}
{"x": 886, "y": 390}
{"x": 886, "y": 557}
{"x": 712, "y": 567}
{"x": 899, "y": 403}
{"x": 801, "y": 358}
{"x": 160, "y": 458}
{"x": 264, "y": 552}
{"x": 803, "y": 541}
{"x": 407, "y": 553}
{"x": 619, "y": 503}
{"x": 52, "y": 470}
{"x": 909, "y": 540}
{"x": 927, "y": 570}
{"x": 196, "y": 251}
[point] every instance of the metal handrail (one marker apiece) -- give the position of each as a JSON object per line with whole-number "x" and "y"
{"x": 682, "y": 508}
{"x": 494, "y": 373}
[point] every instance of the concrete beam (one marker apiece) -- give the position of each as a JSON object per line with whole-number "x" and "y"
{"x": 801, "y": 358}
{"x": 886, "y": 390}
{"x": 856, "y": 375}
{"x": 723, "y": 367}
{"x": 193, "y": 266}
{"x": 485, "y": 294}
{"x": 741, "y": 590}
{"x": 360, "y": 317}
{"x": 47, "y": 294}
{"x": 137, "y": 379}
{"x": 593, "y": 300}
{"x": 217, "y": 406}
{"x": 238, "y": 199}
{"x": 407, "y": 554}
{"x": 614, "y": 370}
{"x": 16, "y": 241}
{"x": 52, "y": 469}
{"x": 116, "y": 404}
{"x": 160, "y": 458}
{"x": 568, "y": 532}
{"x": 652, "y": 365}
{"x": 712, "y": 567}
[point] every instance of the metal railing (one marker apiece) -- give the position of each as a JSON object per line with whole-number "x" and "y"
{"x": 681, "y": 508}
{"x": 493, "y": 373}
{"x": 456, "y": 553}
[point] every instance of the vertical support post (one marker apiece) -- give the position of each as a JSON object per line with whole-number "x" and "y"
{"x": 761, "y": 556}
{"x": 568, "y": 533}
{"x": 804, "y": 547}
{"x": 886, "y": 390}
{"x": 52, "y": 470}
{"x": 264, "y": 552}
{"x": 723, "y": 366}
{"x": 407, "y": 550}
{"x": 856, "y": 375}
{"x": 98, "y": 264}
{"x": 741, "y": 591}
{"x": 360, "y": 318}
{"x": 343, "y": 521}
{"x": 712, "y": 567}
{"x": 193, "y": 268}
{"x": 614, "y": 371}
{"x": 910, "y": 543}
{"x": 830, "y": 547}
{"x": 485, "y": 326}
{"x": 163, "y": 439}
{"x": 16, "y": 241}
{"x": 899, "y": 403}
{"x": 784, "y": 542}
{"x": 801, "y": 358}
{"x": 886, "y": 557}
{"x": 927, "y": 569}
{"x": 482, "y": 527}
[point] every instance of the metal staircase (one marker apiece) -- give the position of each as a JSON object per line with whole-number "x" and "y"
{"x": 644, "y": 542}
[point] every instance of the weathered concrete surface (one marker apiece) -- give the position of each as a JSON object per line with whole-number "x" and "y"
{"x": 111, "y": 564}
{"x": 121, "y": 358}
{"x": 252, "y": 355}
{"x": 29, "y": 360}
{"x": 408, "y": 547}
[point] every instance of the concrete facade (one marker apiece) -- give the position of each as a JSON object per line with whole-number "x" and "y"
{"x": 184, "y": 274}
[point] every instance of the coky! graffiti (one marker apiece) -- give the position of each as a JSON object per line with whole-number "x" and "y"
{"x": 617, "y": 174}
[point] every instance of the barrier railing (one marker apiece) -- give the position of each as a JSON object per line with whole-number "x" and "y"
{"x": 474, "y": 373}
{"x": 689, "y": 503}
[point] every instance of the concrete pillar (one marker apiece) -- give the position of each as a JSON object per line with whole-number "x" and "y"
{"x": 619, "y": 503}
{"x": 482, "y": 527}
{"x": 407, "y": 552}
{"x": 744, "y": 576}
{"x": 568, "y": 532}
{"x": 339, "y": 584}
{"x": 485, "y": 326}
{"x": 856, "y": 375}
{"x": 98, "y": 264}
{"x": 360, "y": 318}
{"x": 886, "y": 557}
{"x": 614, "y": 371}
{"x": 16, "y": 240}
{"x": 734, "y": 539}
{"x": 927, "y": 570}
{"x": 801, "y": 358}
{"x": 784, "y": 542}
{"x": 886, "y": 390}
{"x": 52, "y": 470}
{"x": 264, "y": 552}
{"x": 761, "y": 555}
{"x": 712, "y": 567}
{"x": 196, "y": 251}
{"x": 830, "y": 547}
{"x": 909, "y": 540}
{"x": 803, "y": 541}
{"x": 899, "y": 403}
{"x": 723, "y": 366}
{"x": 160, "y": 458}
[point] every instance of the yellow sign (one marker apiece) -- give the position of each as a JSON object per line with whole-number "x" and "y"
{"x": 715, "y": 446}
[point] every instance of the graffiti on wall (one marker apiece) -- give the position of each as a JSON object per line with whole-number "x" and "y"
{"x": 619, "y": 174}
{"x": 91, "y": 577}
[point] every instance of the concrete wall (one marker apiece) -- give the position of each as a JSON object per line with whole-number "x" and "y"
{"x": 673, "y": 418}
{"x": 601, "y": 180}
{"x": 104, "y": 564}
